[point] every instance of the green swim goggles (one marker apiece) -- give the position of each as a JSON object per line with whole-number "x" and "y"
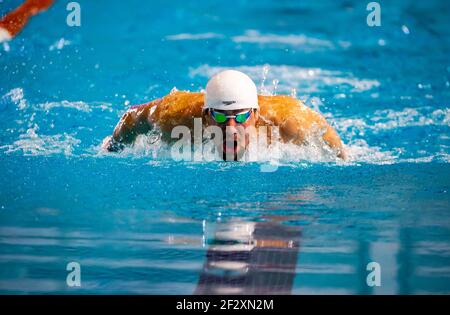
{"x": 221, "y": 118}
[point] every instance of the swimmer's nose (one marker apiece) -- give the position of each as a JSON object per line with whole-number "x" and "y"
{"x": 231, "y": 129}
{"x": 231, "y": 123}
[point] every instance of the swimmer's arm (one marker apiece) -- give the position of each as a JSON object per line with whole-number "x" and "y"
{"x": 15, "y": 21}
{"x": 330, "y": 136}
{"x": 134, "y": 122}
{"x": 292, "y": 130}
{"x": 334, "y": 141}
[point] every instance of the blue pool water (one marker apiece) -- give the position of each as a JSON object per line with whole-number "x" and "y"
{"x": 139, "y": 222}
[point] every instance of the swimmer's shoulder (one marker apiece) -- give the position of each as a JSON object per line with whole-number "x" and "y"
{"x": 177, "y": 108}
{"x": 278, "y": 108}
{"x": 180, "y": 102}
{"x": 174, "y": 100}
{"x": 181, "y": 99}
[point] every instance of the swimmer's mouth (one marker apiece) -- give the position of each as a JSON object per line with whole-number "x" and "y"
{"x": 230, "y": 151}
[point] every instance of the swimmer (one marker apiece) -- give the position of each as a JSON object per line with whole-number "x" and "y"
{"x": 12, "y": 23}
{"x": 230, "y": 102}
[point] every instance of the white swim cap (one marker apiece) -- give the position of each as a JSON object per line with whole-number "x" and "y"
{"x": 230, "y": 90}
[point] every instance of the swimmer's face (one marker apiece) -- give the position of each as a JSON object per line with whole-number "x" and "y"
{"x": 233, "y": 131}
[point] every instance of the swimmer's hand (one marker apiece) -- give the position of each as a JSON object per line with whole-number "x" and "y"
{"x": 342, "y": 153}
{"x": 136, "y": 121}
{"x": 110, "y": 145}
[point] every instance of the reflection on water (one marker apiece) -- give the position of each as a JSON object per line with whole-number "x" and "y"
{"x": 242, "y": 255}
{"x": 294, "y": 238}
{"x": 251, "y": 258}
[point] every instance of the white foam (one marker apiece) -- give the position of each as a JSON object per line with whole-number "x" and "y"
{"x": 391, "y": 119}
{"x": 81, "y": 106}
{"x": 353, "y": 130}
{"x": 17, "y": 97}
{"x": 387, "y": 119}
{"x": 31, "y": 143}
{"x": 316, "y": 151}
{"x": 360, "y": 152}
{"x": 298, "y": 40}
{"x": 149, "y": 145}
{"x": 29, "y": 140}
{"x": 283, "y": 154}
{"x": 188, "y": 36}
{"x": 60, "y": 44}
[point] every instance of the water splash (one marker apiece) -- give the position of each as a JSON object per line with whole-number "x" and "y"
{"x": 305, "y": 42}
{"x": 32, "y": 144}
{"x": 303, "y": 80}
{"x": 357, "y": 133}
{"x": 59, "y": 44}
